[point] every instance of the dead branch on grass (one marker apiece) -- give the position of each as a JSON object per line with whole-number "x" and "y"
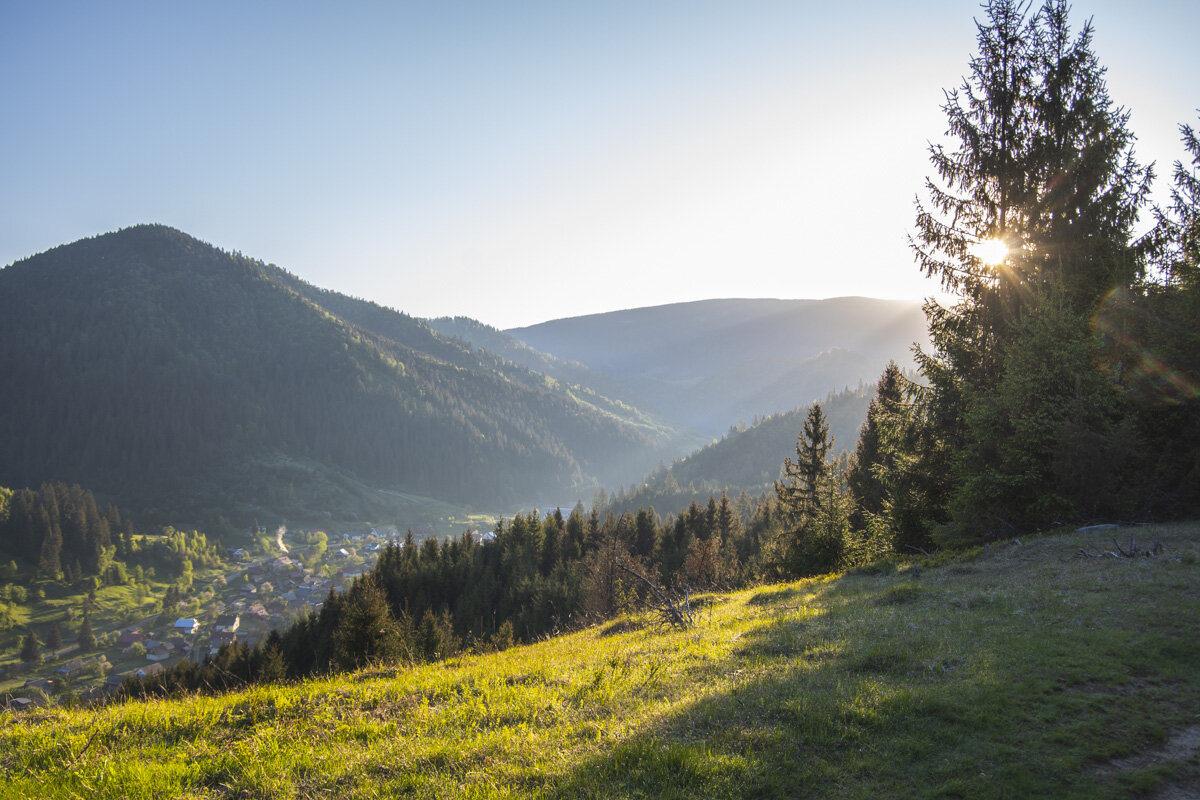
{"x": 1132, "y": 550}
{"x": 668, "y": 607}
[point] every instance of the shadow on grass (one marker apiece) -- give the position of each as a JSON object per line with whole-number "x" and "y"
{"x": 893, "y": 691}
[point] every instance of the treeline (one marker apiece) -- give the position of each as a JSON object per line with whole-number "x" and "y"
{"x": 530, "y": 577}
{"x": 63, "y": 535}
{"x": 1063, "y": 383}
{"x": 64, "y": 532}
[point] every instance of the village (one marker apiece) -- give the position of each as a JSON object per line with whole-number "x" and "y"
{"x": 254, "y": 595}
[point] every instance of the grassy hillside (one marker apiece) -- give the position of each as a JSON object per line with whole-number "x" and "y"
{"x": 1028, "y": 670}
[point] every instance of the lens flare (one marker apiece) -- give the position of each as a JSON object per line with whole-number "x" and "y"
{"x": 990, "y": 251}
{"x": 1129, "y": 360}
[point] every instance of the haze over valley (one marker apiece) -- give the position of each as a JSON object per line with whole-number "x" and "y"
{"x": 191, "y": 383}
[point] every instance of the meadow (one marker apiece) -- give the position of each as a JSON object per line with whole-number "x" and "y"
{"x": 1044, "y": 668}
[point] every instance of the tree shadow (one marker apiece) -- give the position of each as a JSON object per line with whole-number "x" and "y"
{"x": 884, "y": 691}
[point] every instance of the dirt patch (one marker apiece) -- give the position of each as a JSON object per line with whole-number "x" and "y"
{"x": 1182, "y": 748}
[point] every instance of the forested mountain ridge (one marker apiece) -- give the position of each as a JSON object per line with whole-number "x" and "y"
{"x": 711, "y": 363}
{"x": 176, "y": 378}
{"x": 746, "y": 459}
{"x": 511, "y": 349}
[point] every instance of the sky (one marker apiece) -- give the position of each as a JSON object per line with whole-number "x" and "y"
{"x": 516, "y": 162}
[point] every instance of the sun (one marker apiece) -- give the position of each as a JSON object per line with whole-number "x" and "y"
{"x": 990, "y": 251}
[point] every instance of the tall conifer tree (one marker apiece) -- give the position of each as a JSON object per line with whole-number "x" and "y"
{"x": 1041, "y": 161}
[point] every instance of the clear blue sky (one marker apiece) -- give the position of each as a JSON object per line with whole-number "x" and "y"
{"x": 520, "y": 161}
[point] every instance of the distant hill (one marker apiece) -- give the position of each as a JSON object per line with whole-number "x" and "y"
{"x": 183, "y": 381}
{"x": 711, "y": 363}
{"x": 747, "y": 458}
{"x": 487, "y": 339}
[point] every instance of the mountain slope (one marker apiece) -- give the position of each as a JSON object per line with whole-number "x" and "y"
{"x": 177, "y": 378}
{"x": 711, "y": 363}
{"x": 512, "y": 349}
{"x": 747, "y": 458}
{"x": 1005, "y": 674}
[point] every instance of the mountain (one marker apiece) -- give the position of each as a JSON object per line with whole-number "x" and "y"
{"x": 509, "y": 348}
{"x": 747, "y": 458}
{"x": 183, "y": 381}
{"x": 711, "y": 363}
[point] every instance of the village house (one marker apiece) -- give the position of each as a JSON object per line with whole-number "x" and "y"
{"x": 227, "y": 623}
{"x": 23, "y": 703}
{"x": 129, "y": 638}
{"x": 160, "y": 652}
{"x": 71, "y": 669}
{"x": 148, "y": 671}
{"x": 188, "y": 626}
{"x": 44, "y": 684}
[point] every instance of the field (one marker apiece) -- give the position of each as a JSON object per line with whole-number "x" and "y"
{"x": 1024, "y": 670}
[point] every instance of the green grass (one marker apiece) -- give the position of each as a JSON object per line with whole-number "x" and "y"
{"x": 1024, "y": 672}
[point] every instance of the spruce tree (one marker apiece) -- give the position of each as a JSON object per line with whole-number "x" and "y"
{"x": 1041, "y": 161}
{"x": 87, "y": 640}
{"x": 367, "y": 632}
{"x": 817, "y": 513}
{"x": 878, "y": 443}
{"x": 30, "y": 647}
{"x": 54, "y": 637}
{"x": 798, "y": 491}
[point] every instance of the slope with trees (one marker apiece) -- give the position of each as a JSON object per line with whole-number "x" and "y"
{"x": 184, "y": 381}
{"x": 1034, "y": 411}
{"x": 710, "y": 363}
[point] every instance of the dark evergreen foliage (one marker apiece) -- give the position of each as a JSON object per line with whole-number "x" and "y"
{"x": 810, "y": 499}
{"x": 58, "y": 526}
{"x": 1033, "y": 413}
{"x": 30, "y": 647}
{"x": 54, "y": 640}
{"x": 87, "y": 639}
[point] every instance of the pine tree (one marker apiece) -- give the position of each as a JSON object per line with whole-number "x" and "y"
{"x": 367, "y": 632}
{"x": 798, "y": 491}
{"x": 816, "y": 512}
{"x": 1042, "y": 162}
{"x": 87, "y": 640}
{"x": 1178, "y": 231}
{"x": 54, "y": 637}
{"x": 30, "y": 647}
{"x": 879, "y": 441}
{"x": 1152, "y": 342}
